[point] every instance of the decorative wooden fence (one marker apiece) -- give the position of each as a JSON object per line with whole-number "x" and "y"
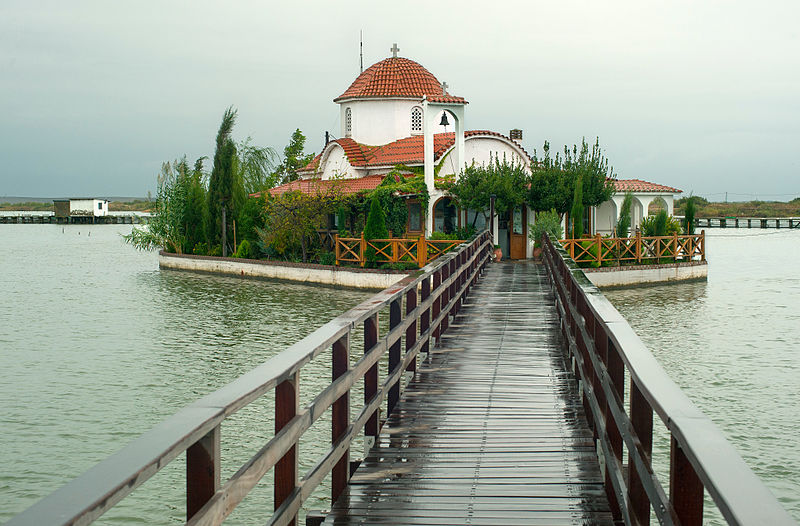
{"x": 429, "y": 300}
{"x": 636, "y": 250}
{"x": 605, "y": 351}
{"x": 418, "y": 251}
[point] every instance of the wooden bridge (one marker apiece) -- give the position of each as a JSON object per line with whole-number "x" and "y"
{"x": 520, "y": 413}
{"x": 748, "y": 222}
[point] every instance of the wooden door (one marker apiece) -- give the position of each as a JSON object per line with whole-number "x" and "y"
{"x": 518, "y": 233}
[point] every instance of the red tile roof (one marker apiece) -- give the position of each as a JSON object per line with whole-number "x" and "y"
{"x": 637, "y": 185}
{"x": 348, "y": 186}
{"x": 446, "y": 98}
{"x": 409, "y": 150}
{"x": 395, "y": 77}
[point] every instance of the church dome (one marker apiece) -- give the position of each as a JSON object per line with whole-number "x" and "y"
{"x": 394, "y": 77}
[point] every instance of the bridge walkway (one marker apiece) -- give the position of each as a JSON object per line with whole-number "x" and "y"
{"x": 492, "y": 430}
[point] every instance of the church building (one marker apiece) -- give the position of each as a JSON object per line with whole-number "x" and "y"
{"x": 396, "y": 112}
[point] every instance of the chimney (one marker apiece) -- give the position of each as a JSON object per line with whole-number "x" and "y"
{"x": 516, "y": 136}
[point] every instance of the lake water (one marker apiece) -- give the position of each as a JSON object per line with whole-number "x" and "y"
{"x": 97, "y": 346}
{"x": 733, "y": 345}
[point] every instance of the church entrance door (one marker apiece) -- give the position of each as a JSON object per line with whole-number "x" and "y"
{"x": 518, "y": 233}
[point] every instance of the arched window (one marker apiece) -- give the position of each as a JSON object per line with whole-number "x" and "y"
{"x": 348, "y": 122}
{"x": 416, "y": 119}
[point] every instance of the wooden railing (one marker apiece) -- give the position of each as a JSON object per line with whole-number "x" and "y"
{"x": 604, "y": 351}
{"x": 636, "y": 250}
{"x": 418, "y": 251}
{"x": 428, "y": 299}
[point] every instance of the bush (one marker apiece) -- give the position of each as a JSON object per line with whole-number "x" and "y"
{"x": 216, "y": 250}
{"x": 374, "y": 229}
{"x": 624, "y": 222}
{"x": 689, "y": 215}
{"x": 588, "y": 260}
{"x": 464, "y": 232}
{"x": 549, "y": 222}
{"x": 327, "y": 258}
{"x": 436, "y": 236}
{"x": 243, "y": 251}
{"x": 200, "y": 249}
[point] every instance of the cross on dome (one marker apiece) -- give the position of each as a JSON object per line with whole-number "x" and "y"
{"x": 394, "y": 50}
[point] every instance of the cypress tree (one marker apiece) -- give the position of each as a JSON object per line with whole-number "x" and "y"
{"x": 688, "y": 219}
{"x": 222, "y": 186}
{"x": 375, "y": 229}
{"x": 624, "y": 222}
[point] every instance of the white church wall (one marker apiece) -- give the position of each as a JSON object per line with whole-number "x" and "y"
{"x": 336, "y": 164}
{"x": 379, "y": 122}
{"x": 605, "y": 217}
{"x": 480, "y": 150}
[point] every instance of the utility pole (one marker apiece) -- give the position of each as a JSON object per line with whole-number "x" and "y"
{"x": 361, "y": 49}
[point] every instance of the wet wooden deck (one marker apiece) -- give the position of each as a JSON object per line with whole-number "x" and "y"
{"x": 491, "y": 431}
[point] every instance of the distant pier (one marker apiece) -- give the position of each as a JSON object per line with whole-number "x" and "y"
{"x": 747, "y": 222}
{"x": 44, "y": 219}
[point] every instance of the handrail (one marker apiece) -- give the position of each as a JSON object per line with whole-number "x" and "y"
{"x": 419, "y": 251}
{"x": 196, "y": 428}
{"x": 598, "y": 250}
{"x": 603, "y": 346}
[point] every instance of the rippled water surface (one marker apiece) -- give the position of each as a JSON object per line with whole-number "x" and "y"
{"x": 733, "y": 345}
{"x": 97, "y": 346}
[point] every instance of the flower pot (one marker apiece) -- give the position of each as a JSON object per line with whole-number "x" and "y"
{"x": 498, "y": 254}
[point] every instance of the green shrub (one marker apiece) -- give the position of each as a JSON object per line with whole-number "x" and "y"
{"x": 216, "y": 250}
{"x": 200, "y": 249}
{"x": 327, "y": 258}
{"x": 374, "y": 229}
{"x": 588, "y": 260}
{"x": 689, "y": 214}
{"x": 464, "y": 232}
{"x": 243, "y": 251}
{"x": 436, "y": 236}
{"x": 624, "y": 222}
{"x": 549, "y": 222}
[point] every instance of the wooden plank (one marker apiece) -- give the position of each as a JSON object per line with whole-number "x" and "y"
{"x": 492, "y": 430}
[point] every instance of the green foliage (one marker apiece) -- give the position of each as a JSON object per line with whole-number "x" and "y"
{"x": 476, "y": 184}
{"x": 291, "y": 220}
{"x": 294, "y": 158}
{"x": 200, "y": 249}
{"x": 549, "y": 222}
{"x": 177, "y": 214}
{"x": 438, "y": 236}
{"x": 327, "y": 258}
{"x": 257, "y": 167}
{"x": 624, "y": 221}
{"x": 588, "y": 259}
{"x": 660, "y": 224}
{"x": 392, "y": 193}
{"x": 215, "y": 251}
{"x": 374, "y": 229}
{"x": 576, "y": 215}
{"x": 244, "y": 250}
{"x": 342, "y": 214}
{"x": 225, "y": 188}
{"x": 251, "y": 217}
{"x": 553, "y": 178}
{"x": 689, "y": 215}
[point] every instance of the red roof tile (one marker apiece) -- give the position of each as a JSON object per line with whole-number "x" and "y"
{"x": 395, "y": 77}
{"x": 348, "y": 186}
{"x": 637, "y": 185}
{"x": 446, "y": 98}
{"x": 408, "y": 150}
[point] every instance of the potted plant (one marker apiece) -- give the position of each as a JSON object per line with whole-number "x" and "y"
{"x": 498, "y": 253}
{"x": 546, "y": 222}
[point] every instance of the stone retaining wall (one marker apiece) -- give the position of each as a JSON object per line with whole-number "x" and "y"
{"x": 643, "y": 274}
{"x": 308, "y": 273}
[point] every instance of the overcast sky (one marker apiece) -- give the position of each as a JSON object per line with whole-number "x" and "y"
{"x": 704, "y": 96}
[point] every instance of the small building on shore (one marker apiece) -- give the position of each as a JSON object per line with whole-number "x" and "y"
{"x": 86, "y": 207}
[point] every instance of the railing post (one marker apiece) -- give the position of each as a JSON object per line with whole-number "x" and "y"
{"x": 685, "y": 487}
{"x": 642, "y": 422}
{"x": 616, "y": 375}
{"x": 411, "y": 332}
{"x": 675, "y": 247}
{"x": 286, "y": 406}
{"x": 371, "y": 376}
{"x": 599, "y": 240}
{"x": 394, "y": 355}
{"x": 702, "y": 245}
{"x": 336, "y": 245}
{"x": 202, "y": 471}
{"x": 422, "y": 251}
{"x": 395, "y": 259}
{"x": 445, "y": 299}
{"x": 425, "y": 319}
{"x": 638, "y": 247}
{"x": 340, "y": 416}
{"x": 437, "y": 302}
{"x": 362, "y": 252}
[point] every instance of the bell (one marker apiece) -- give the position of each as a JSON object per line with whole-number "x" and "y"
{"x": 444, "y": 119}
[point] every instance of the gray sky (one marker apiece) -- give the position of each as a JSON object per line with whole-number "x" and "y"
{"x": 704, "y": 96}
